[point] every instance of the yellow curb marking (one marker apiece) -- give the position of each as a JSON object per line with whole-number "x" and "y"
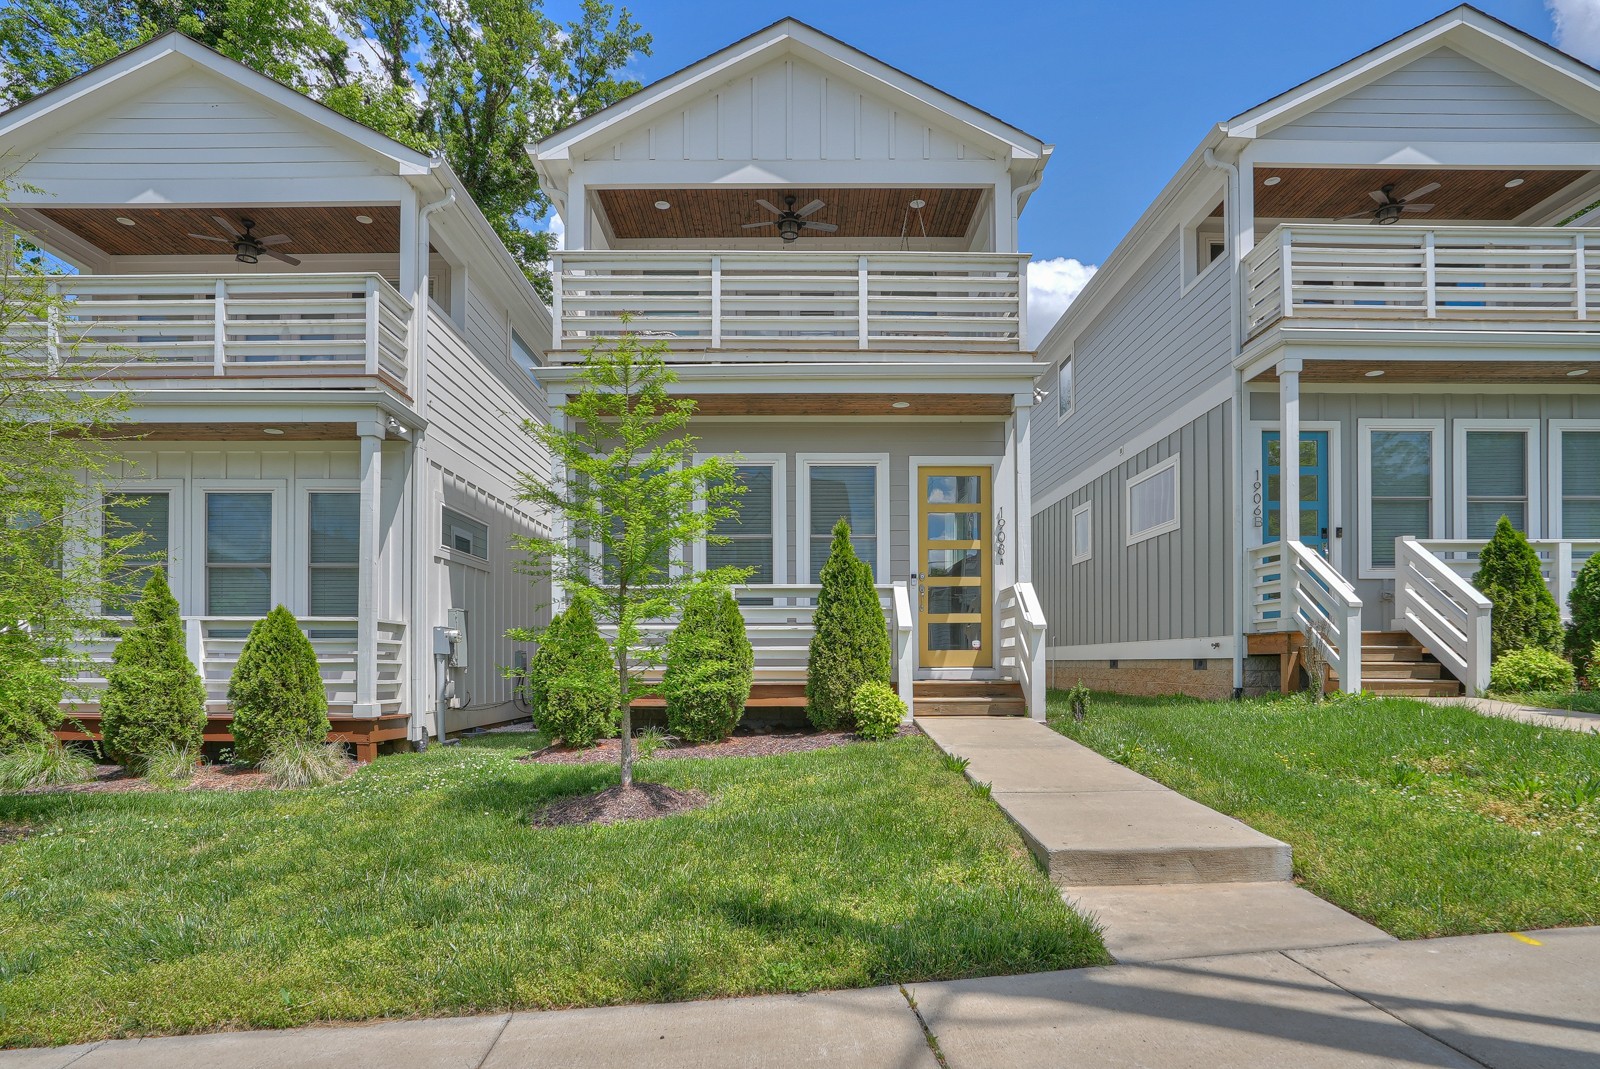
{"x": 1519, "y": 937}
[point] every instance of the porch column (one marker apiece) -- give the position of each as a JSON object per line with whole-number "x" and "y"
{"x": 372, "y": 435}
{"x": 1288, "y": 474}
{"x": 1023, "y": 566}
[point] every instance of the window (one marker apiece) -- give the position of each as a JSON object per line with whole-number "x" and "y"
{"x": 1064, "y": 396}
{"x": 1579, "y": 472}
{"x": 1494, "y": 476}
{"x": 523, "y": 353}
{"x": 849, "y": 492}
{"x": 1082, "y": 533}
{"x": 752, "y": 535}
{"x": 1205, "y": 241}
{"x": 333, "y": 550}
{"x": 238, "y": 553}
{"x": 1153, "y": 501}
{"x": 1401, "y": 472}
{"x": 465, "y": 535}
{"x": 148, "y": 515}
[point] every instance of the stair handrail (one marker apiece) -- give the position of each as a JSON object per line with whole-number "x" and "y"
{"x": 905, "y": 648}
{"x": 1022, "y": 616}
{"x": 1329, "y": 613}
{"x": 1443, "y": 611}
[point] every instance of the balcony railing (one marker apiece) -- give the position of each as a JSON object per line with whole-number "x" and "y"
{"x": 1434, "y": 276}
{"x": 794, "y": 300}
{"x": 226, "y": 324}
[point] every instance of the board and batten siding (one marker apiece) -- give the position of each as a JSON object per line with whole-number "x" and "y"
{"x": 1153, "y": 348}
{"x": 1442, "y": 96}
{"x": 1172, "y": 586}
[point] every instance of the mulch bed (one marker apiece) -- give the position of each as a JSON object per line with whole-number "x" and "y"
{"x": 642, "y": 801}
{"x": 752, "y": 744}
{"x": 114, "y": 779}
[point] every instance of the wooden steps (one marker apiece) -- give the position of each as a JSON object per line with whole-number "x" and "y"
{"x": 1395, "y": 663}
{"x": 968, "y": 697}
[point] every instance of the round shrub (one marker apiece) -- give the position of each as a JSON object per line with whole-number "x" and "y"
{"x": 1526, "y": 671}
{"x": 710, "y": 667}
{"x": 1524, "y": 611}
{"x": 154, "y": 699}
{"x": 276, "y": 692}
{"x": 849, "y": 641}
{"x": 1584, "y": 631}
{"x": 572, "y": 683}
{"x": 30, "y": 697}
{"x": 877, "y": 710}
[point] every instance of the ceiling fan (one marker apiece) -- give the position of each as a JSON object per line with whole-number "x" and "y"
{"x": 1391, "y": 207}
{"x": 247, "y": 248}
{"x": 789, "y": 221}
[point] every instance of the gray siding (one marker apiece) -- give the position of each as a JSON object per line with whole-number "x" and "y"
{"x": 1442, "y": 96}
{"x": 1176, "y": 585}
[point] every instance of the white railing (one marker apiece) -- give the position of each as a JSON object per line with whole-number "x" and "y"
{"x": 1441, "y": 609}
{"x": 1294, "y": 588}
{"x": 1022, "y": 643}
{"x": 1559, "y": 561}
{"x": 215, "y": 642}
{"x": 1464, "y": 274}
{"x": 795, "y": 299}
{"x": 226, "y": 324}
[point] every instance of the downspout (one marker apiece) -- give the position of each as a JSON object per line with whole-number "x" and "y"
{"x": 1022, "y": 191}
{"x": 1236, "y": 449}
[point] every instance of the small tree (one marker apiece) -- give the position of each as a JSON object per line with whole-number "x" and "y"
{"x": 1584, "y": 602}
{"x": 30, "y": 696}
{"x": 849, "y": 639}
{"x": 153, "y": 696}
{"x": 710, "y": 666}
{"x": 570, "y": 685}
{"x": 276, "y": 691}
{"x": 631, "y": 499}
{"x": 1524, "y": 612}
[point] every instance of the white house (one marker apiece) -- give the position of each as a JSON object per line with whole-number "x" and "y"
{"x": 1382, "y": 264}
{"x": 335, "y": 355}
{"x": 828, "y": 247}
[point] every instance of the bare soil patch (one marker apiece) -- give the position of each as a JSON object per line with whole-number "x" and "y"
{"x": 114, "y": 779}
{"x": 642, "y": 801}
{"x": 11, "y": 833}
{"x": 772, "y": 744}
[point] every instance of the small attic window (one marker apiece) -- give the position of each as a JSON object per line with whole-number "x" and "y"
{"x": 1205, "y": 241}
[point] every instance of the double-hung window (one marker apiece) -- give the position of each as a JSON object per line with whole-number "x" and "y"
{"x": 123, "y": 516}
{"x": 1495, "y": 476}
{"x": 853, "y": 491}
{"x": 1152, "y": 501}
{"x": 1578, "y": 468}
{"x": 238, "y": 553}
{"x": 1401, "y": 475}
{"x": 333, "y": 553}
{"x": 752, "y": 535}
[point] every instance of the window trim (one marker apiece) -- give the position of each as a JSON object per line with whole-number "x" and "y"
{"x": 282, "y": 562}
{"x": 1172, "y": 464}
{"x": 1072, "y": 534}
{"x": 803, "y": 463}
{"x": 1553, "y": 466}
{"x": 1458, "y": 481}
{"x": 1071, "y": 393}
{"x": 778, "y": 462}
{"x": 1436, "y": 503}
{"x": 1190, "y": 271}
{"x": 302, "y": 565}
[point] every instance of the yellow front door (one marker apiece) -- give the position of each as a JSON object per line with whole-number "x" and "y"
{"x": 953, "y": 519}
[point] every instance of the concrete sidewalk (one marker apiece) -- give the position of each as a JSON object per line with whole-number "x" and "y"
{"x": 1564, "y": 719}
{"x": 1497, "y": 1001}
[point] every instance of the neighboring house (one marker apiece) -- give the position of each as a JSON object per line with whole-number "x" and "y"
{"x": 1438, "y": 373}
{"x": 337, "y": 432}
{"x": 827, "y": 247}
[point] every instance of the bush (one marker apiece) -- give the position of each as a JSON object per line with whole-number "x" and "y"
{"x": 710, "y": 666}
{"x": 877, "y": 710}
{"x": 850, "y": 641}
{"x": 153, "y": 698}
{"x": 295, "y": 761}
{"x": 572, "y": 683}
{"x": 42, "y": 764}
{"x": 30, "y": 697}
{"x": 1528, "y": 670}
{"x": 276, "y": 691}
{"x": 1525, "y": 614}
{"x": 1584, "y": 631}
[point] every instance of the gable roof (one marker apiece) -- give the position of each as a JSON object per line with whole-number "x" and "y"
{"x": 158, "y": 59}
{"x": 787, "y": 36}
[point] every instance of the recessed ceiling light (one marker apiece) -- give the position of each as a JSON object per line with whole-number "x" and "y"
{"x": 1579, "y": 371}
{"x": 1274, "y": 180}
{"x": 663, "y": 205}
{"x": 901, "y": 404}
{"x": 1514, "y": 183}
{"x": 919, "y": 203}
{"x": 271, "y": 430}
{"x": 125, "y": 221}
{"x": 1375, "y": 374}
{"x": 364, "y": 220}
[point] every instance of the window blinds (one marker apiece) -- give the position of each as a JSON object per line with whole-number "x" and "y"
{"x": 1402, "y": 490}
{"x": 849, "y": 492}
{"x": 1497, "y": 481}
{"x": 238, "y": 554}
{"x": 333, "y": 551}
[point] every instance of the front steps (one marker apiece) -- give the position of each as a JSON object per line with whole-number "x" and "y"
{"x": 1393, "y": 663}
{"x": 968, "y": 697}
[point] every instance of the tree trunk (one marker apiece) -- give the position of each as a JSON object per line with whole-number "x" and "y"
{"x": 627, "y": 715}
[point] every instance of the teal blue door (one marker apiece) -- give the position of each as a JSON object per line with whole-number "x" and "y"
{"x": 1314, "y": 514}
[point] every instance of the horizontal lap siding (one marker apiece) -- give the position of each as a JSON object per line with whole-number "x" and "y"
{"x": 1176, "y": 585}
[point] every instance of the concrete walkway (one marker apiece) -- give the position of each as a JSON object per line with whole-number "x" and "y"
{"x": 1565, "y": 719}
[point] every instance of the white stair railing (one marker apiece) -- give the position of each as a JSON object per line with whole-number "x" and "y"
{"x": 1022, "y": 643}
{"x": 1436, "y": 604}
{"x": 1328, "y": 611}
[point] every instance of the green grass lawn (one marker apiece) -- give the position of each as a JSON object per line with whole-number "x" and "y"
{"x": 1581, "y": 701}
{"x": 1423, "y": 819}
{"x": 418, "y": 888}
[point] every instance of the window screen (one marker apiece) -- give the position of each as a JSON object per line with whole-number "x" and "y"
{"x": 333, "y": 550}
{"x": 238, "y": 554}
{"x": 849, "y": 492}
{"x": 750, "y": 534}
{"x": 465, "y": 535}
{"x": 1401, "y": 479}
{"x": 148, "y": 516}
{"x": 1153, "y": 503}
{"x": 1497, "y": 481}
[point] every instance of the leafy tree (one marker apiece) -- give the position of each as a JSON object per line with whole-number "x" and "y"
{"x": 30, "y": 696}
{"x": 154, "y": 698}
{"x": 849, "y": 639}
{"x": 276, "y": 691}
{"x": 1584, "y": 603}
{"x": 571, "y": 685}
{"x": 629, "y": 499}
{"x": 1524, "y": 613}
{"x": 710, "y": 666}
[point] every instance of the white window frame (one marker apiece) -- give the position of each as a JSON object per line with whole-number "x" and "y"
{"x": 803, "y": 463}
{"x": 283, "y": 562}
{"x": 1070, "y": 395}
{"x": 1072, "y": 533}
{"x": 301, "y": 585}
{"x": 778, "y": 462}
{"x": 1172, "y": 464}
{"x": 1555, "y": 491}
{"x": 1458, "y": 482}
{"x": 1191, "y": 271}
{"x": 177, "y": 576}
{"x": 1436, "y": 504}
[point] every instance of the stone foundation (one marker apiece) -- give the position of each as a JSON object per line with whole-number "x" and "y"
{"x": 1261, "y": 675}
{"x": 1210, "y": 678}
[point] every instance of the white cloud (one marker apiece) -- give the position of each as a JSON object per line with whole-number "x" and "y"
{"x": 1577, "y": 27}
{"x": 1052, "y": 285}
{"x": 558, "y": 232}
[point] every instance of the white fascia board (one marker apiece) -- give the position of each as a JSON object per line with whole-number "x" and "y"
{"x": 1475, "y": 154}
{"x": 210, "y": 405}
{"x": 1009, "y": 377}
{"x": 506, "y": 281}
{"x": 1477, "y": 344}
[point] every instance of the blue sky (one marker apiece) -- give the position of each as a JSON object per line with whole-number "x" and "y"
{"x": 1124, "y": 90}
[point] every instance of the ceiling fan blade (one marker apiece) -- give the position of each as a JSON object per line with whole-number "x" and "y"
{"x": 769, "y": 206}
{"x": 752, "y": 226}
{"x": 290, "y": 260}
{"x": 1421, "y": 191}
{"x": 276, "y": 239}
{"x": 829, "y": 227}
{"x": 1379, "y": 195}
{"x": 1417, "y": 208}
{"x": 212, "y": 237}
{"x": 815, "y": 205}
{"x": 227, "y": 225}
{"x": 1357, "y": 215}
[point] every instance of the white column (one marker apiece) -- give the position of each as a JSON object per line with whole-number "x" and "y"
{"x": 1023, "y": 569}
{"x": 372, "y": 434}
{"x": 576, "y": 217}
{"x": 558, "y": 522}
{"x": 1288, "y": 479}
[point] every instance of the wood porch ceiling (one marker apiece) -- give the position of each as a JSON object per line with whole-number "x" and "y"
{"x": 231, "y": 432}
{"x": 163, "y": 231}
{"x": 722, "y": 212}
{"x": 1456, "y": 372}
{"x": 1331, "y": 194}
{"x": 851, "y": 404}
